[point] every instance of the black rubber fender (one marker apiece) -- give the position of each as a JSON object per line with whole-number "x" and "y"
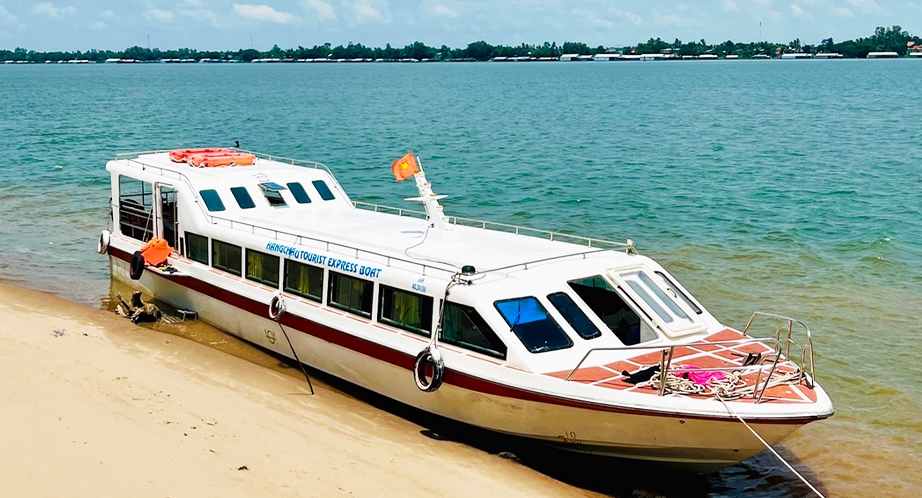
{"x": 136, "y": 267}
{"x": 429, "y": 355}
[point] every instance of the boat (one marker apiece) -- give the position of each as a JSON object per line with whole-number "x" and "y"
{"x": 577, "y": 342}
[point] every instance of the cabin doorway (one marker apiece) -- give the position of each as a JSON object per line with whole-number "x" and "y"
{"x": 167, "y": 217}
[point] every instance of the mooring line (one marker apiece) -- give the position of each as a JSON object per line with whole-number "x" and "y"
{"x": 768, "y": 446}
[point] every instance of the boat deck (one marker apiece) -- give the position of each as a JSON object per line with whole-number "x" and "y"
{"x": 701, "y": 355}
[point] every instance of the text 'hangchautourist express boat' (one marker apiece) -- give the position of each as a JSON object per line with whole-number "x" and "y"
{"x": 573, "y": 341}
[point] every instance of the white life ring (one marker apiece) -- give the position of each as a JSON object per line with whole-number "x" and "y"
{"x": 276, "y": 307}
{"x": 102, "y": 245}
{"x": 429, "y": 355}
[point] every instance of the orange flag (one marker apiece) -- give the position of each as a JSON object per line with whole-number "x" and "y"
{"x": 405, "y": 167}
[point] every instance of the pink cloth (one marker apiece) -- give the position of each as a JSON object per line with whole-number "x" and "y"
{"x": 700, "y": 378}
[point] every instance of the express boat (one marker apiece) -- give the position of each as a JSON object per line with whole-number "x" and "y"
{"x": 577, "y": 342}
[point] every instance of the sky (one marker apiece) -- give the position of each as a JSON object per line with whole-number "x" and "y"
{"x": 70, "y": 25}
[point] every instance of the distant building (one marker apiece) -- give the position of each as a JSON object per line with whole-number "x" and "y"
{"x": 882, "y": 55}
{"x": 828, "y": 55}
{"x": 570, "y": 57}
{"x": 797, "y": 55}
{"x": 606, "y": 57}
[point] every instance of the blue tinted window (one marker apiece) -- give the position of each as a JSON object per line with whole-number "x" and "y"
{"x": 297, "y": 190}
{"x": 212, "y": 200}
{"x": 243, "y": 198}
{"x": 530, "y": 322}
{"x": 573, "y": 315}
{"x": 323, "y": 190}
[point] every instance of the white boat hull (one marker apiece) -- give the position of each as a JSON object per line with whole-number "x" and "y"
{"x": 699, "y": 444}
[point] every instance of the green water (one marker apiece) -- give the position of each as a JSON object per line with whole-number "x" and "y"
{"x": 784, "y": 186}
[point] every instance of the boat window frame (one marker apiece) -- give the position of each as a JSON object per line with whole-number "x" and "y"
{"x": 307, "y": 295}
{"x": 219, "y": 266}
{"x": 333, "y": 281}
{"x": 264, "y": 256}
{"x": 427, "y": 307}
{"x": 273, "y": 193}
{"x": 566, "y": 316}
{"x": 673, "y": 287}
{"x": 135, "y": 206}
{"x": 212, "y": 200}
{"x": 480, "y": 324}
{"x": 628, "y": 336}
{"x": 517, "y": 326}
{"x": 243, "y": 197}
{"x": 190, "y": 242}
{"x": 299, "y": 193}
{"x": 323, "y": 190}
{"x": 678, "y": 326}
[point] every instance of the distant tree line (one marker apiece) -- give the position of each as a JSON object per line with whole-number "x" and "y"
{"x": 893, "y": 39}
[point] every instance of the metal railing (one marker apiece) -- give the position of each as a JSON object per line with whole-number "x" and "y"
{"x": 776, "y": 344}
{"x": 806, "y": 350}
{"x": 500, "y": 227}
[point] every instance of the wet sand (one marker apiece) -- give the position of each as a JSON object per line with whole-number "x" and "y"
{"x": 91, "y": 404}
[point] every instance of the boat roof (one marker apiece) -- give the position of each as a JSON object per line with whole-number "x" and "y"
{"x": 382, "y": 231}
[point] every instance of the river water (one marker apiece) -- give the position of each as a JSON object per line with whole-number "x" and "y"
{"x": 784, "y": 186}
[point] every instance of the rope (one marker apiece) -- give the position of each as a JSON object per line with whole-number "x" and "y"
{"x": 769, "y": 448}
{"x": 278, "y": 319}
{"x": 732, "y": 386}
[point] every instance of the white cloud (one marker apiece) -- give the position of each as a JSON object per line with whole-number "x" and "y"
{"x": 666, "y": 19}
{"x": 627, "y": 16}
{"x": 730, "y": 6}
{"x": 799, "y": 12}
{"x": 867, "y": 6}
{"x": 842, "y": 12}
{"x": 263, "y": 13}
{"x": 368, "y": 11}
{"x": 440, "y": 10}
{"x": 590, "y": 18}
{"x": 322, "y": 10}
{"x": 763, "y": 2}
{"x": 108, "y": 14}
{"x": 199, "y": 14}
{"x": 99, "y": 25}
{"x": 7, "y": 19}
{"x": 163, "y": 16}
{"x": 49, "y": 10}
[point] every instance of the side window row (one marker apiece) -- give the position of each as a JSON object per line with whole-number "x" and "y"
{"x": 270, "y": 190}
{"x": 461, "y": 325}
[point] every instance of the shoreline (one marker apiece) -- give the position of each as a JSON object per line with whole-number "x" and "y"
{"x": 93, "y": 404}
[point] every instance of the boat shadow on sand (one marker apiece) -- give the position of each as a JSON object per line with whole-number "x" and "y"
{"x": 758, "y": 477}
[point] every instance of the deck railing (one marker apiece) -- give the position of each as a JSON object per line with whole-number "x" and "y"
{"x": 501, "y": 227}
{"x": 782, "y": 340}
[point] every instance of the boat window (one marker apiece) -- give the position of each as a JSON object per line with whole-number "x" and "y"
{"x": 303, "y": 280}
{"x": 574, "y": 315}
{"x": 532, "y": 325}
{"x": 674, "y": 289}
{"x": 227, "y": 257}
{"x": 198, "y": 247}
{"x": 605, "y": 302}
{"x": 135, "y": 208}
{"x": 351, "y": 294}
{"x": 273, "y": 193}
{"x": 300, "y": 194}
{"x": 212, "y": 200}
{"x": 656, "y": 298}
{"x": 243, "y": 198}
{"x": 463, "y": 327}
{"x": 406, "y": 310}
{"x": 263, "y": 268}
{"x": 323, "y": 190}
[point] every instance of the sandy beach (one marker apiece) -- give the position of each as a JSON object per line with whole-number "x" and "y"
{"x": 92, "y": 405}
